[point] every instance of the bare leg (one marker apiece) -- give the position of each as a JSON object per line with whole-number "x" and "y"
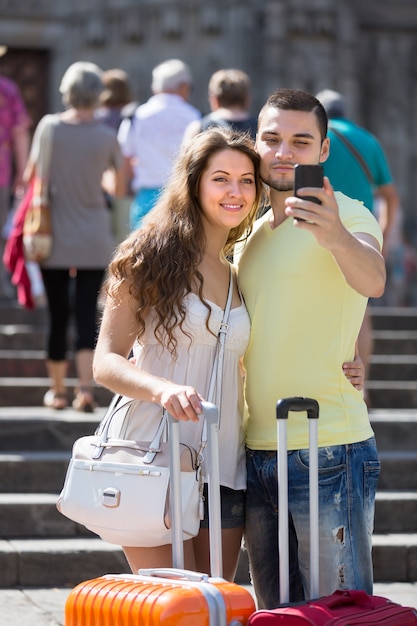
{"x": 160, "y": 556}
{"x": 84, "y": 400}
{"x": 56, "y": 398}
{"x": 231, "y": 542}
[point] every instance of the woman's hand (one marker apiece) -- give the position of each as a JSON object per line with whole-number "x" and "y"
{"x": 182, "y": 402}
{"x": 355, "y": 372}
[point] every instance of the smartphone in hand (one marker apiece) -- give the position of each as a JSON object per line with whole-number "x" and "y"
{"x": 308, "y": 176}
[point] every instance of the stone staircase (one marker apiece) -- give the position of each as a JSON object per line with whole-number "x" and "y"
{"x": 39, "y": 547}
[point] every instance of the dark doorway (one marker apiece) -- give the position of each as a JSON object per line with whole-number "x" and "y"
{"x": 29, "y": 68}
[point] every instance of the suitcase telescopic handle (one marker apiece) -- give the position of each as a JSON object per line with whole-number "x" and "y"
{"x": 311, "y": 407}
{"x": 211, "y": 416}
{"x": 297, "y": 403}
{"x": 175, "y": 574}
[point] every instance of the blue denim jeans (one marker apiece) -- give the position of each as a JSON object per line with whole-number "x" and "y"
{"x": 348, "y": 476}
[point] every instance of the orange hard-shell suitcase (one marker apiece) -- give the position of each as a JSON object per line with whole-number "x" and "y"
{"x": 129, "y": 600}
{"x": 170, "y": 596}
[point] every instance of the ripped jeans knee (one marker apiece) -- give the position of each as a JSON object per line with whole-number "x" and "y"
{"x": 348, "y": 476}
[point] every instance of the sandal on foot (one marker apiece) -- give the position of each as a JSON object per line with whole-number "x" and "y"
{"x": 84, "y": 401}
{"x": 55, "y": 400}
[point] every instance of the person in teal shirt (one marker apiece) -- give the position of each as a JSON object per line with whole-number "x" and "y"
{"x": 357, "y": 166}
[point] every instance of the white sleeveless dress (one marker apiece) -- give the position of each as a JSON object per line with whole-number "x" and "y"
{"x": 193, "y": 366}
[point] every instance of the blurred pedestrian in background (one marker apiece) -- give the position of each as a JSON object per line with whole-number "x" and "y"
{"x": 116, "y": 104}
{"x": 14, "y": 150}
{"x": 229, "y": 95}
{"x": 358, "y": 167}
{"x": 82, "y": 149}
{"x": 117, "y": 94}
{"x": 151, "y": 140}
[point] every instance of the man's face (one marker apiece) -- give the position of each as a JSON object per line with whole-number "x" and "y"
{"x": 284, "y": 139}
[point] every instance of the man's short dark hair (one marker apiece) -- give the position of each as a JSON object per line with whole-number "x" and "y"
{"x": 298, "y": 100}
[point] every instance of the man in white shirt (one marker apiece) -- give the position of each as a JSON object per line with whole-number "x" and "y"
{"x": 151, "y": 140}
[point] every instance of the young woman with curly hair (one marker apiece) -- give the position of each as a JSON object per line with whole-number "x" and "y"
{"x": 167, "y": 288}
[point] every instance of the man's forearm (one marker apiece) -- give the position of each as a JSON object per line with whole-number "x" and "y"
{"x": 361, "y": 264}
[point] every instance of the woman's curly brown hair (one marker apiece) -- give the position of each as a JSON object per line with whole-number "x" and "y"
{"x": 159, "y": 261}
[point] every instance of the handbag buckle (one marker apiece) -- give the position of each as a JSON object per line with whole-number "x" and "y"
{"x": 110, "y": 497}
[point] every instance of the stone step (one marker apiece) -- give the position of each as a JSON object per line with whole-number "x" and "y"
{"x": 30, "y": 363}
{"x": 395, "y": 557}
{"x": 395, "y": 341}
{"x": 32, "y": 472}
{"x": 395, "y": 429}
{"x": 22, "y": 337}
{"x": 67, "y": 562}
{"x": 26, "y": 338}
{"x": 33, "y": 428}
{"x": 393, "y": 367}
{"x": 396, "y": 512}
{"x": 394, "y": 318}
{"x": 401, "y": 318}
{"x": 35, "y": 515}
{"x": 398, "y": 470}
{"x": 16, "y": 391}
{"x": 57, "y": 562}
{"x": 392, "y": 394}
{"x": 27, "y": 364}
{"x": 39, "y": 428}
{"x": 13, "y": 313}
{"x": 44, "y": 471}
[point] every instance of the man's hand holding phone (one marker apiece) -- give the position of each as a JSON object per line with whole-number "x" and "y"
{"x": 321, "y": 217}
{"x": 307, "y": 176}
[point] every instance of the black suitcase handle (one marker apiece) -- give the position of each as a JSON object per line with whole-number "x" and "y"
{"x": 297, "y": 403}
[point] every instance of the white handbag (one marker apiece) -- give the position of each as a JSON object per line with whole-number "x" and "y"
{"x": 119, "y": 488}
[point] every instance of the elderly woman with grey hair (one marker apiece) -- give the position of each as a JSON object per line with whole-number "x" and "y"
{"x": 82, "y": 149}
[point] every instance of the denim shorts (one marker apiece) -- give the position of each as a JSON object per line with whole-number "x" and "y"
{"x": 232, "y": 505}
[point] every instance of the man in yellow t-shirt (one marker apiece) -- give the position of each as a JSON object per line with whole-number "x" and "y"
{"x": 306, "y": 274}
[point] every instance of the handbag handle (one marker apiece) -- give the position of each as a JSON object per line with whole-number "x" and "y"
{"x": 103, "y": 431}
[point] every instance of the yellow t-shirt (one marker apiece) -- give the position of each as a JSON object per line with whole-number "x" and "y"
{"x": 305, "y": 320}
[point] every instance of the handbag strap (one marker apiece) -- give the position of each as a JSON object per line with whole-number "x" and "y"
{"x": 349, "y": 145}
{"x": 216, "y": 379}
{"x": 103, "y": 430}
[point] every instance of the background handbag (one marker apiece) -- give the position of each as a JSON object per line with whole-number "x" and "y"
{"x": 37, "y": 227}
{"x": 119, "y": 488}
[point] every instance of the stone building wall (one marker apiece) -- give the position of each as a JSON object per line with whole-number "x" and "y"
{"x": 365, "y": 49}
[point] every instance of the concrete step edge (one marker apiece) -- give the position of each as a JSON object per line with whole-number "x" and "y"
{"x": 80, "y": 544}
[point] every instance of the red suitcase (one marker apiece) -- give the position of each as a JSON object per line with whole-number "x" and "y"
{"x": 342, "y": 608}
{"x": 173, "y": 596}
